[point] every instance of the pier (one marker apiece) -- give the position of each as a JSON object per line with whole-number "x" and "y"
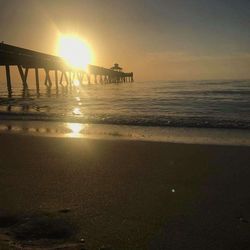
{"x": 57, "y": 72}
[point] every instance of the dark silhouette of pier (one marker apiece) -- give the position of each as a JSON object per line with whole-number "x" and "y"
{"x": 64, "y": 75}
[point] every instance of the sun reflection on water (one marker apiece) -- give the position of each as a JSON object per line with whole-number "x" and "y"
{"x": 76, "y": 83}
{"x": 76, "y": 111}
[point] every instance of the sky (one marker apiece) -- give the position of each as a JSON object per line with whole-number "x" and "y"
{"x": 157, "y": 39}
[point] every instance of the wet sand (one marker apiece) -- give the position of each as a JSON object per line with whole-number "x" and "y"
{"x": 120, "y": 194}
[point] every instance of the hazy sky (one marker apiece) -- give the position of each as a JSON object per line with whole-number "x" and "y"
{"x": 157, "y": 39}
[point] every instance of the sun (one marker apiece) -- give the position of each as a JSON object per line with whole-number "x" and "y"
{"x": 75, "y": 51}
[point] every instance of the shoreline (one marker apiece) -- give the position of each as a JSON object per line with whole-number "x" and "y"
{"x": 172, "y": 123}
{"x": 203, "y": 136}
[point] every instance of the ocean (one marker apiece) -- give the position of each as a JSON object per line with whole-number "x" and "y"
{"x": 183, "y": 104}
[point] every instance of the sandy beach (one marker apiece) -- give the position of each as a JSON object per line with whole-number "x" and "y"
{"x": 119, "y": 194}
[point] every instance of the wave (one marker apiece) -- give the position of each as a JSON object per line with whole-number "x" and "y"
{"x": 163, "y": 121}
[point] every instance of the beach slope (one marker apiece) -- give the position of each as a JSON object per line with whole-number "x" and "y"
{"x": 127, "y": 194}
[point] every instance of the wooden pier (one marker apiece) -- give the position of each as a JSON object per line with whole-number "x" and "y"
{"x": 64, "y": 75}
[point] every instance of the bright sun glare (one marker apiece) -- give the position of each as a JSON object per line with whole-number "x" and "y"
{"x": 76, "y": 52}
{"x": 75, "y": 129}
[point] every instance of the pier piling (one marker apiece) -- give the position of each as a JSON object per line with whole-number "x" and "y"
{"x": 37, "y": 81}
{"x": 23, "y": 74}
{"x": 8, "y": 78}
{"x": 56, "y": 80}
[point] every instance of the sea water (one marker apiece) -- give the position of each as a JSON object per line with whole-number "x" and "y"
{"x": 181, "y": 104}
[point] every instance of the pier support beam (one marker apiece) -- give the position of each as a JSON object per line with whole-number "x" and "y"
{"x": 66, "y": 79}
{"x": 80, "y": 77}
{"x": 37, "y": 81}
{"x": 61, "y": 79}
{"x": 101, "y": 79}
{"x": 88, "y": 77}
{"x": 56, "y": 80}
{"x": 8, "y": 79}
{"x": 63, "y": 75}
{"x": 24, "y": 75}
{"x": 48, "y": 82}
{"x": 105, "y": 79}
{"x": 71, "y": 79}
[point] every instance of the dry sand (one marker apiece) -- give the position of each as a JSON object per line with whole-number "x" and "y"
{"x": 122, "y": 194}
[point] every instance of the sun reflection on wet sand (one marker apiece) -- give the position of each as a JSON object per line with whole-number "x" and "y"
{"x": 76, "y": 129}
{"x": 102, "y": 131}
